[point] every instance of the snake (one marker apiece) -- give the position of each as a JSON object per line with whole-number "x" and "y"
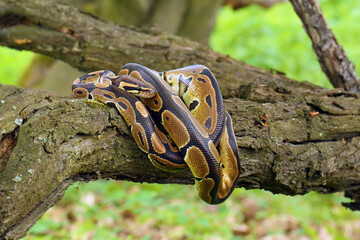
{"x": 177, "y": 117}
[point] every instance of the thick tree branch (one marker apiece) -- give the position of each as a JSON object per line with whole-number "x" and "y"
{"x": 332, "y": 57}
{"x": 62, "y": 32}
{"x": 49, "y": 142}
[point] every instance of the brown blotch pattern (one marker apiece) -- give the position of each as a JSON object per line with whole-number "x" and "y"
{"x": 176, "y": 128}
{"x": 197, "y": 163}
{"x": 228, "y": 159}
{"x": 142, "y": 109}
{"x": 139, "y": 135}
{"x": 157, "y": 144}
{"x": 155, "y": 103}
{"x": 200, "y": 90}
{"x": 196, "y": 90}
{"x": 204, "y": 187}
{"x": 102, "y": 92}
{"x": 194, "y": 121}
{"x": 137, "y": 131}
{"x": 101, "y": 84}
{"x": 166, "y": 140}
{"x": 123, "y": 72}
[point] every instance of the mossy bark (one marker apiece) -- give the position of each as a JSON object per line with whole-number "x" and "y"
{"x": 49, "y": 142}
{"x": 309, "y": 142}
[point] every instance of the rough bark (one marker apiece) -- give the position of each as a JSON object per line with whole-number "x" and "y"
{"x": 87, "y": 43}
{"x": 332, "y": 57}
{"x": 144, "y": 13}
{"x": 48, "y": 142}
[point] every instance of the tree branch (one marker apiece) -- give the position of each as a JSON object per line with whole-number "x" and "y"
{"x": 49, "y": 142}
{"x": 332, "y": 57}
{"x": 90, "y": 44}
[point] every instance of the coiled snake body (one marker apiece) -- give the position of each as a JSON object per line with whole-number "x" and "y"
{"x": 195, "y": 131}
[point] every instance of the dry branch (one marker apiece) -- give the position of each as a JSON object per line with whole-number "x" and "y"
{"x": 332, "y": 57}
{"x": 48, "y": 142}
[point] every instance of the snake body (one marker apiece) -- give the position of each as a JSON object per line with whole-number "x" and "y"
{"x": 195, "y": 131}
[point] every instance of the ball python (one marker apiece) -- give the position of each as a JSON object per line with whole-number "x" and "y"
{"x": 177, "y": 117}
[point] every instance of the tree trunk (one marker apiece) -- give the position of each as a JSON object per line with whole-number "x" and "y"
{"x": 310, "y": 141}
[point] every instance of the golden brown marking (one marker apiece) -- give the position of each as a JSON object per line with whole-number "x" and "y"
{"x": 139, "y": 136}
{"x": 166, "y": 84}
{"x": 136, "y": 75}
{"x": 196, "y": 90}
{"x": 172, "y": 80}
{"x": 166, "y": 140}
{"x": 161, "y": 134}
{"x": 195, "y": 122}
{"x": 197, "y": 163}
{"x": 99, "y": 94}
{"x": 137, "y": 131}
{"x": 103, "y": 92}
{"x": 92, "y": 79}
{"x": 203, "y": 111}
{"x": 128, "y": 113}
{"x": 142, "y": 109}
{"x": 124, "y": 84}
{"x": 157, "y": 144}
{"x": 176, "y": 128}
{"x": 228, "y": 160}
{"x": 106, "y": 82}
{"x": 101, "y": 85}
{"x": 173, "y": 146}
{"x": 155, "y": 103}
{"x": 204, "y": 187}
{"x": 123, "y": 72}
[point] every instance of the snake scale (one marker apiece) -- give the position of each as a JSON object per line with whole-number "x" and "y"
{"x": 177, "y": 117}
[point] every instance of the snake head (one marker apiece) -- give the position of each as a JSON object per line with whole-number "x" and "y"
{"x": 133, "y": 86}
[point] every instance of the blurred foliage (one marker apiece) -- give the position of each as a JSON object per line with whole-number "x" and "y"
{"x": 121, "y": 210}
{"x": 274, "y": 38}
{"x": 13, "y": 63}
{"x": 268, "y": 38}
